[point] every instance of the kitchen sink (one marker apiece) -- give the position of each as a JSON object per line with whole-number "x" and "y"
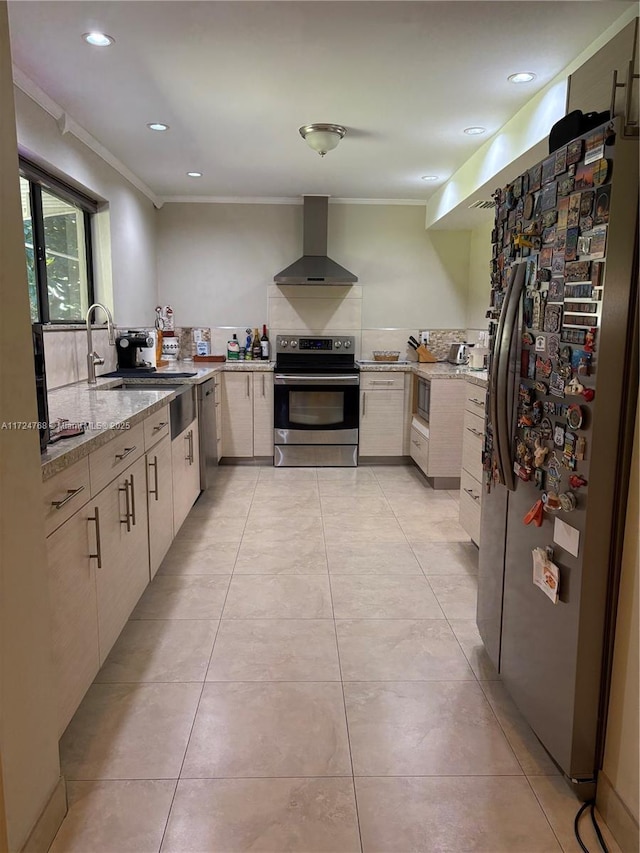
{"x": 142, "y": 386}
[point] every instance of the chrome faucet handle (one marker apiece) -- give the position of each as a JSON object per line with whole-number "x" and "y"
{"x": 97, "y": 359}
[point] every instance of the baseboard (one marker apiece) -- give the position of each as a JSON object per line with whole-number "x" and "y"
{"x": 623, "y": 825}
{"x": 48, "y": 823}
{"x": 384, "y": 460}
{"x": 450, "y": 483}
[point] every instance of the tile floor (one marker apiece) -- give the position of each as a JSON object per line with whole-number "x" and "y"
{"x": 304, "y": 674}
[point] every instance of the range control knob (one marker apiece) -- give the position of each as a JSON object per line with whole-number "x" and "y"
{"x": 338, "y": 344}
{"x": 294, "y": 343}
{"x": 284, "y": 343}
{"x": 347, "y": 344}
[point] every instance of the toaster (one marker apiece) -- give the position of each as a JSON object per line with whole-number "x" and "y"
{"x": 457, "y": 354}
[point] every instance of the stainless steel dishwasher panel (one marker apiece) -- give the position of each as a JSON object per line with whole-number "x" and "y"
{"x": 207, "y": 431}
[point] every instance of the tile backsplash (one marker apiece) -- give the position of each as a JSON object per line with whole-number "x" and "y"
{"x": 65, "y": 352}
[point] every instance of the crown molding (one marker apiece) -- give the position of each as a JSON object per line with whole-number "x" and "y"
{"x": 216, "y": 199}
{"x": 66, "y": 124}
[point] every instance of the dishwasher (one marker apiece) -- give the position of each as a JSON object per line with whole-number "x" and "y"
{"x": 208, "y": 437}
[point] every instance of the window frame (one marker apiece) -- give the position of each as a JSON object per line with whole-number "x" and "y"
{"x": 38, "y": 180}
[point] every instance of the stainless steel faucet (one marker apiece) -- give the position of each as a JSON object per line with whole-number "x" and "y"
{"x": 92, "y": 357}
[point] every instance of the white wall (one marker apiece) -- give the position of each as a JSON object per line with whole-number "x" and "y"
{"x": 131, "y": 214}
{"x": 479, "y": 275}
{"x": 216, "y": 261}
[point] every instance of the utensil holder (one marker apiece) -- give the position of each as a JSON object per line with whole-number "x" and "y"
{"x": 425, "y": 355}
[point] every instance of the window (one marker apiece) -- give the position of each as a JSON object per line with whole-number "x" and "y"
{"x": 57, "y": 239}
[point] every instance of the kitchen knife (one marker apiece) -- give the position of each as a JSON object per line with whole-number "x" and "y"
{"x": 414, "y": 341}
{"x": 411, "y": 343}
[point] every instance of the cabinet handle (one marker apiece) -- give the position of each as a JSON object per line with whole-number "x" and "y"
{"x": 364, "y": 403}
{"x": 98, "y": 555}
{"x": 160, "y": 426}
{"x": 133, "y": 501}
{"x": 189, "y": 439}
{"x": 470, "y": 493}
{"x": 154, "y": 465}
{"x": 127, "y": 518}
{"x": 125, "y": 453}
{"x": 248, "y": 385}
{"x": 417, "y": 443}
{"x": 474, "y": 431}
{"x": 263, "y": 387}
{"x": 71, "y": 493}
{"x": 382, "y": 381}
{"x": 477, "y": 402}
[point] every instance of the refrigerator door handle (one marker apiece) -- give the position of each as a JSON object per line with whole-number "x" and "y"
{"x": 500, "y": 377}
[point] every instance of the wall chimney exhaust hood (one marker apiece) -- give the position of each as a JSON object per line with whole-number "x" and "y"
{"x": 314, "y": 267}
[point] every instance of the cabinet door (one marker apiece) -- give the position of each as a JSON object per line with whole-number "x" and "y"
{"x": 237, "y": 414}
{"x": 381, "y": 423}
{"x": 74, "y": 618}
{"x": 218, "y": 392}
{"x": 263, "y": 414}
{"x": 123, "y": 546}
{"x": 160, "y": 503}
{"x": 185, "y": 470}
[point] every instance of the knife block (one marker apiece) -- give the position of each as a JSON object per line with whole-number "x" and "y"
{"x": 425, "y": 355}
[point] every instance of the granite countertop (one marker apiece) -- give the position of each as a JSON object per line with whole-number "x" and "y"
{"x": 439, "y": 370}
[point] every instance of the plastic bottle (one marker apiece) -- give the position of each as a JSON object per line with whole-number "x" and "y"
{"x": 233, "y": 349}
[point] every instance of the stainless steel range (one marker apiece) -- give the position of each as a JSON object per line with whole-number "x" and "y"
{"x": 316, "y": 401}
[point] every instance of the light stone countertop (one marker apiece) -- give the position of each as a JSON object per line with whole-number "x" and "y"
{"x": 106, "y": 411}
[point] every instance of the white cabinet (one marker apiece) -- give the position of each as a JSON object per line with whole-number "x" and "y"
{"x": 381, "y": 414}
{"x": 263, "y": 414}
{"x": 185, "y": 469}
{"x": 471, "y": 471}
{"x": 445, "y": 428}
{"x": 218, "y": 399}
{"x": 159, "y": 502}
{"x": 419, "y": 445}
{"x": 237, "y": 414}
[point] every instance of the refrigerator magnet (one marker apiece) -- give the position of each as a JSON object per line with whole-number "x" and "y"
{"x": 548, "y": 169}
{"x": 581, "y": 449}
{"x": 546, "y": 575}
{"x": 566, "y": 185}
{"x": 558, "y": 435}
{"x": 551, "y": 501}
{"x": 535, "y": 178}
{"x": 571, "y": 246}
{"x": 548, "y": 196}
{"x": 552, "y": 317}
{"x": 574, "y": 416}
{"x": 543, "y": 367}
{"x": 538, "y": 478}
{"x": 517, "y": 187}
{"x": 546, "y": 429}
{"x": 541, "y": 387}
{"x": 541, "y": 343}
{"x": 574, "y": 151}
{"x": 576, "y": 481}
{"x": 586, "y": 202}
{"x": 584, "y": 176}
{"x": 563, "y": 212}
{"x": 553, "y": 346}
{"x": 588, "y": 394}
{"x": 549, "y": 217}
{"x": 574, "y": 388}
{"x": 529, "y": 204}
{"x": 590, "y": 340}
{"x": 554, "y": 472}
{"x": 556, "y": 290}
{"x": 573, "y": 214}
{"x": 556, "y": 384}
{"x": 560, "y": 165}
{"x": 557, "y": 263}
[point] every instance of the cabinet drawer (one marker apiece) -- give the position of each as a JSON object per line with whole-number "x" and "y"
{"x": 473, "y": 426}
{"x": 419, "y": 449}
{"x": 108, "y": 461}
{"x": 472, "y": 455}
{"x": 156, "y": 427}
{"x": 65, "y": 493}
{"x": 384, "y": 381}
{"x": 470, "y": 503}
{"x": 475, "y": 399}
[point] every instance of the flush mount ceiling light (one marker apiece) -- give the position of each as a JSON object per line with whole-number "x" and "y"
{"x": 475, "y": 131}
{"x": 429, "y": 178}
{"x": 157, "y": 125}
{"x": 194, "y": 174}
{"x": 322, "y": 137}
{"x": 522, "y": 77}
{"x": 98, "y": 39}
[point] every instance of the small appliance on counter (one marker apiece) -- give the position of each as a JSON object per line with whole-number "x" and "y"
{"x": 128, "y": 346}
{"x": 457, "y": 354}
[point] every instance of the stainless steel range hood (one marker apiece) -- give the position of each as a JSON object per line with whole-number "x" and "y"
{"x": 314, "y": 267}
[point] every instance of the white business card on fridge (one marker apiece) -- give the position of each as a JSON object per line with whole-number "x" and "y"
{"x": 566, "y": 537}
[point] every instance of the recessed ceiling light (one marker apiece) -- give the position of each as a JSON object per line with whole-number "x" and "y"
{"x": 98, "y": 39}
{"x": 475, "y": 131}
{"x": 429, "y": 178}
{"x": 194, "y": 174}
{"x": 157, "y": 125}
{"x": 521, "y": 77}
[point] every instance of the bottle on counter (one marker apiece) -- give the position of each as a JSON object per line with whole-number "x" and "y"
{"x": 264, "y": 344}
{"x": 233, "y": 349}
{"x": 248, "y": 346}
{"x": 256, "y": 346}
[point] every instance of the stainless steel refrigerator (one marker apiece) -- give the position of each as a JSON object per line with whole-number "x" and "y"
{"x": 561, "y": 400}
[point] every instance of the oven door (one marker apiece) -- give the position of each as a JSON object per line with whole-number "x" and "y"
{"x": 316, "y": 408}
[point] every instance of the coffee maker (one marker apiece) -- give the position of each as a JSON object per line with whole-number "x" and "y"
{"x": 128, "y": 346}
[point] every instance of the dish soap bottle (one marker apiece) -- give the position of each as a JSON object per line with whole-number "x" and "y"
{"x": 233, "y": 349}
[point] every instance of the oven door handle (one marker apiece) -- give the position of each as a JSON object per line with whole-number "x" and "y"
{"x": 315, "y": 379}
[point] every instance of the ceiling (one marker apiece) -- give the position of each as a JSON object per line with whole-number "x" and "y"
{"x": 235, "y": 80}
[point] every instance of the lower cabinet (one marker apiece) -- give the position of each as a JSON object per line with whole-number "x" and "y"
{"x": 263, "y": 414}
{"x": 381, "y": 414}
{"x": 237, "y": 414}
{"x": 159, "y": 502}
{"x": 122, "y": 551}
{"x": 185, "y": 468}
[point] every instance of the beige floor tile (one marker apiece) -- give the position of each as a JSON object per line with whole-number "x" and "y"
{"x": 356, "y": 490}
{"x": 489, "y": 815}
{"x": 400, "y": 650}
{"x": 372, "y": 558}
{"x": 532, "y": 756}
{"x": 210, "y": 532}
{"x": 560, "y": 805}
{"x": 153, "y": 650}
{"x": 188, "y": 597}
{"x": 275, "y": 650}
{"x": 272, "y": 491}
{"x": 383, "y": 597}
{"x": 414, "y": 513}
{"x": 454, "y": 494}
{"x": 350, "y": 507}
{"x": 456, "y": 594}
{"x": 284, "y": 816}
{"x": 448, "y": 558}
{"x": 259, "y": 557}
{"x": 437, "y": 728}
{"x": 278, "y": 597}
{"x": 285, "y": 529}
{"x": 466, "y": 632}
{"x": 284, "y": 507}
{"x": 104, "y": 817}
{"x": 222, "y": 506}
{"x": 361, "y": 474}
{"x": 404, "y": 493}
{"x": 184, "y": 560}
{"x": 269, "y": 729}
{"x": 129, "y": 731}
{"x": 288, "y": 475}
{"x": 354, "y": 529}
{"x": 442, "y": 530}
